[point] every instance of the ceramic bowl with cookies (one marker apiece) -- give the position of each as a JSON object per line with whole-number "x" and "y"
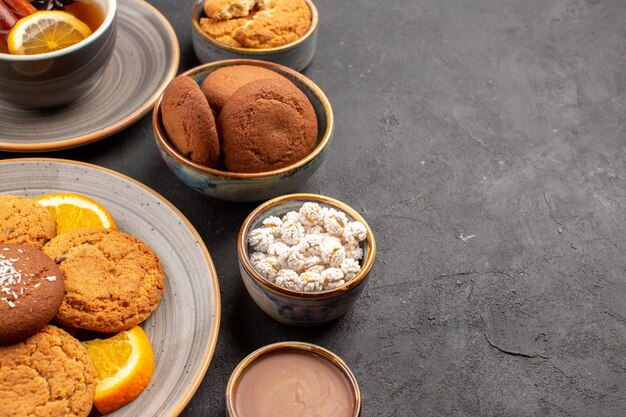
{"x": 243, "y": 130}
{"x": 280, "y": 31}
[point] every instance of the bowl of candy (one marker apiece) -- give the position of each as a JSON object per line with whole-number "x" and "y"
{"x": 305, "y": 258}
{"x": 52, "y": 52}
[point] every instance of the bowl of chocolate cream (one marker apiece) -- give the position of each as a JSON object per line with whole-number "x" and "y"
{"x": 293, "y": 379}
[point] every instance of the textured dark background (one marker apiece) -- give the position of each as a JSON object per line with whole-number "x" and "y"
{"x": 484, "y": 141}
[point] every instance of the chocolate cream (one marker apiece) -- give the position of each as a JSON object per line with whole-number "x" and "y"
{"x": 288, "y": 384}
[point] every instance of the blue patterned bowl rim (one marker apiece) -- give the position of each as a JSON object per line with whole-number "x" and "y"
{"x": 242, "y": 248}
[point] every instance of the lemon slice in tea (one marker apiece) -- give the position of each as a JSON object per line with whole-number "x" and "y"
{"x": 46, "y": 31}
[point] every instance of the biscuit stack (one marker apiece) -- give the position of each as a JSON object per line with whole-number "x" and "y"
{"x": 243, "y": 119}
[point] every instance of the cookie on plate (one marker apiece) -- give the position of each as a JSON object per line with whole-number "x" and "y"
{"x": 31, "y": 291}
{"x": 266, "y": 125}
{"x": 189, "y": 122}
{"x": 49, "y": 374}
{"x": 219, "y": 85}
{"x": 113, "y": 281}
{"x": 23, "y": 220}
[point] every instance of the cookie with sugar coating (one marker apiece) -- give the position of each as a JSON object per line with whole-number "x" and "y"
{"x": 189, "y": 122}
{"x": 266, "y": 125}
{"x": 31, "y": 291}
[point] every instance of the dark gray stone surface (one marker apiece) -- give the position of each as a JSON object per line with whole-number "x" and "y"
{"x": 484, "y": 141}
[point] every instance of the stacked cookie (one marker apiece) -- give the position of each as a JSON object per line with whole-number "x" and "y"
{"x": 31, "y": 284}
{"x": 95, "y": 279}
{"x": 32, "y": 290}
{"x": 243, "y": 119}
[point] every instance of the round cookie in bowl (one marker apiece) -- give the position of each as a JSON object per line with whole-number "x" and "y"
{"x": 304, "y": 101}
{"x": 189, "y": 122}
{"x": 219, "y": 85}
{"x": 280, "y": 126}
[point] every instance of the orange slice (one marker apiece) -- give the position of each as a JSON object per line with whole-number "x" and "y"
{"x": 75, "y": 211}
{"x": 46, "y": 31}
{"x": 124, "y": 365}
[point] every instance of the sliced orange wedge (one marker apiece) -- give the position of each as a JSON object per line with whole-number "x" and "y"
{"x": 46, "y": 31}
{"x": 75, "y": 211}
{"x": 124, "y": 365}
